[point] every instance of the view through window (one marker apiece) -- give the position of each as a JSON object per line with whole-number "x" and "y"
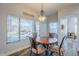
{"x": 25, "y": 28}
{"x": 37, "y": 28}
{"x": 12, "y": 29}
{"x": 53, "y": 28}
{"x": 18, "y": 28}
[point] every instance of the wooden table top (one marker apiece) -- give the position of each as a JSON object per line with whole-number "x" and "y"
{"x": 44, "y": 40}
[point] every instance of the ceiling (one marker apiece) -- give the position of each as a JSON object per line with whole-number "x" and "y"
{"x": 49, "y": 8}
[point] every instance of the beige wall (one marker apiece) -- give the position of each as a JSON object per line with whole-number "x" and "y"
{"x": 5, "y": 10}
{"x": 43, "y": 29}
{"x": 6, "y": 49}
{"x": 52, "y": 19}
{"x": 69, "y": 11}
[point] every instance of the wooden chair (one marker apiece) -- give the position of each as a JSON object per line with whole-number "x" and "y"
{"x": 52, "y": 47}
{"x": 34, "y": 48}
{"x": 56, "y": 50}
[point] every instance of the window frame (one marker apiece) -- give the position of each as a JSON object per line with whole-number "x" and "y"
{"x": 7, "y": 29}
{"x": 20, "y": 26}
{"x": 54, "y": 28}
{"x": 19, "y": 18}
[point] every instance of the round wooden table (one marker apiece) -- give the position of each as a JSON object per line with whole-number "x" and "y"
{"x": 45, "y": 42}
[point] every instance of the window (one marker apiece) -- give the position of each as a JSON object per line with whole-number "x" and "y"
{"x": 72, "y": 24}
{"x": 12, "y": 29}
{"x": 26, "y": 28}
{"x": 18, "y": 29}
{"x": 37, "y": 28}
{"x": 75, "y": 26}
{"x": 53, "y": 28}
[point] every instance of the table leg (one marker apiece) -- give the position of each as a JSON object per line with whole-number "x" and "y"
{"x": 46, "y": 46}
{"x": 48, "y": 53}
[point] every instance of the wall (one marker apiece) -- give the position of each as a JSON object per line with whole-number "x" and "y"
{"x": 69, "y": 11}
{"x": 15, "y": 10}
{"x": 6, "y": 49}
{"x": 52, "y": 19}
{"x": 43, "y": 29}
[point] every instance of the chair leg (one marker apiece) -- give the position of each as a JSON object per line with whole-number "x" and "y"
{"x": 31, "y": 53}
{"x": 62, "y": 54}
{"x": 51, "y": 53}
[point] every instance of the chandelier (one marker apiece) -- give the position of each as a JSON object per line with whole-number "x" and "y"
{"x": 42, "y": 17}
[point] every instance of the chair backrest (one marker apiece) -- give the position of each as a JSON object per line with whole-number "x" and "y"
{"x": 52, "y": 35}
{"x": 32, "y": 42}
{"x": 64, "y": 38}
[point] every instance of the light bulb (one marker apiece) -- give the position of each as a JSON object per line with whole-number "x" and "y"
{"x": 42, "y": 18}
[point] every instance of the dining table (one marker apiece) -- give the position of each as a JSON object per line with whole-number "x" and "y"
{"x": 45, "y": 42}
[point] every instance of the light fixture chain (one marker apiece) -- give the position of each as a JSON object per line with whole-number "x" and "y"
{"x": 42, "y": 12}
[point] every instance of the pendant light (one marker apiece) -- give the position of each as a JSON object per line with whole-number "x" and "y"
{"x": 42, "y": 17}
